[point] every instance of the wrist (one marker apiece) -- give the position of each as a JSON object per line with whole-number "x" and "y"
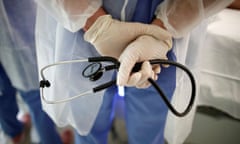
{"x": 93, "y": 18}
{"x": 159, "y": 23}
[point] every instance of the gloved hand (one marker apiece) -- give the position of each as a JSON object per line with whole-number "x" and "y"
{"x": 142, "y": 49}
{"x": 110, "y": 37}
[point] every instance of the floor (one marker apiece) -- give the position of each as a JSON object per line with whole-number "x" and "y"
{"x": 210, "y": 127}
{"x": 214, "y": 127}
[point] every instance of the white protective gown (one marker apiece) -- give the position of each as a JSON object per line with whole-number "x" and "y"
{"x": 72, "y": 15}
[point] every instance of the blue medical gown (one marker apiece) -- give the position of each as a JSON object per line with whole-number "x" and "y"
{"x": 145, "y": 110}
{"x": 18, "y": 69}
{"x": 17, "y": 53}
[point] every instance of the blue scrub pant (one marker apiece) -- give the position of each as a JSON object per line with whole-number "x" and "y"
{"x": 9, "y": 109}
{"x": 145, "y": 112}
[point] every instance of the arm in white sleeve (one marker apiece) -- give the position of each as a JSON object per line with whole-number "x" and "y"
{"x": 72, "y": 14}
{"x": 181, "y": 16}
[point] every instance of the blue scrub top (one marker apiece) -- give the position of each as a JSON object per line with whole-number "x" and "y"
{"x": 145, "y": 10}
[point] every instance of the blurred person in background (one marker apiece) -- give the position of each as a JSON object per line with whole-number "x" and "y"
{"x": 18, "y": 73}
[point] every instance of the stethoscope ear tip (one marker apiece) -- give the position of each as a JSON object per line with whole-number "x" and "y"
{"x": 44, "y": 83}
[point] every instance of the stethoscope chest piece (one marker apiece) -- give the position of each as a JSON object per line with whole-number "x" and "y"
{"x": 93, "y": 71}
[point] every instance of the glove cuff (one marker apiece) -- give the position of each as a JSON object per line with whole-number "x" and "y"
{"x": 93, "y": 18}
{"x": 99, "y": 26}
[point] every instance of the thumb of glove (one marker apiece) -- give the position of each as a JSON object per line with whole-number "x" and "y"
{"x": 125, "y": 69}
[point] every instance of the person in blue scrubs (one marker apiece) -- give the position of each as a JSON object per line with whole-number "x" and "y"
{"x": 18, "y": 73}
{"x": 18, "y": 130}
{"x": 145, "y": 111}
{"x": 65, "y": 21}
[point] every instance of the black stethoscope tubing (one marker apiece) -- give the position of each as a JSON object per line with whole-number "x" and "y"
{"x": 137, "y": 67}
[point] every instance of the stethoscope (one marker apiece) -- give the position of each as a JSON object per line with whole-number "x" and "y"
{"x": 95, "y": 70}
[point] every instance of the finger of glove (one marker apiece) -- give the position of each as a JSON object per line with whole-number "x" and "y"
{"x": 146, "y": 72}
{"x": 140, "y": 79}
{"x": 165, "y": 65}
{"x": 144, "y": 85}
{"x": 147, "y": 84}
{"x": 127, "y": 60}
{"x": 155, "y": 77}
{"x": 156, "y": 68}
{"x": 134, "y": 79}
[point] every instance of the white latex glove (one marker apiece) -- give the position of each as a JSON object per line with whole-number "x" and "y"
{"x": 142, "y": 49}
{"x": 110, "y": 37}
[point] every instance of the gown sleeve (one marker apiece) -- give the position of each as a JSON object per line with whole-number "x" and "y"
{"x": 181, "y": 16}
